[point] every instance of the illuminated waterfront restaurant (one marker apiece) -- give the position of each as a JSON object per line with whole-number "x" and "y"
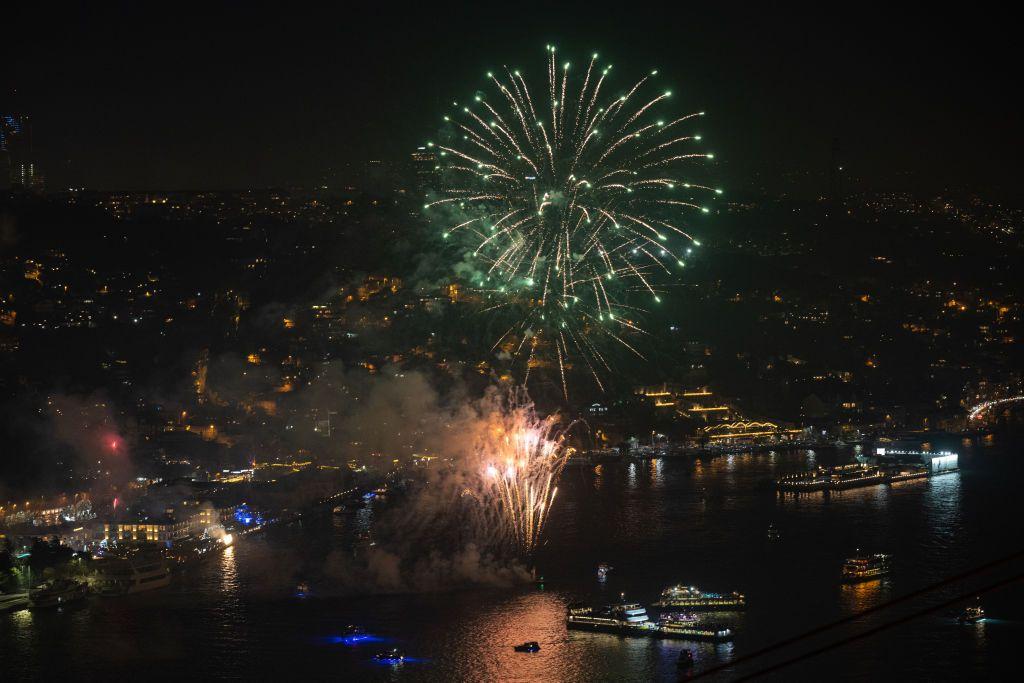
{"x": 748, "y": 432}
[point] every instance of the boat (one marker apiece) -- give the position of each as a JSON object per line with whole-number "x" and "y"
{"x": 971, "y": 615}
{"x": 532, "y": 646}
{"x": 688, "y": 630}
{"x": 57, "y": 593}
{"x": 690, "y": 598}
{"x": 123, "y": 576}
{"x": 392, "y": 656}
{"x": 353, "y": 630}
{"x": 602, "y": 571}
{"x": 685, "y": 659}
{"x": 680, "y": 617}
{"x": 302, "y": 590}
{"x": 773, "y": 533}
{"x": 866, "y": 567}
{"x": 630, "y": 619}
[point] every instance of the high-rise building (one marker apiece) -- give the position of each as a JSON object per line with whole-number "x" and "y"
{"x": 424, "y": 166}
{"x": 17, "y": 161}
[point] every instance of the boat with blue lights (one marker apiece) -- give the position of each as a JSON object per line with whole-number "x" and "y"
{"x": 532, "y": 646}
{"x": 971, "y": 615}
{"x": 692, "y": 599}
{"x": 392, "y": 656}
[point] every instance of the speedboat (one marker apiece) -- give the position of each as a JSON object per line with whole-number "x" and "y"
{"x": 971, "y": 615}
{"x": 392, "y": 656}
{"x": 532, "y": 646}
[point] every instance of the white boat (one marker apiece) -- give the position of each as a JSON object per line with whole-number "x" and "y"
{"x": 119, "y": 576}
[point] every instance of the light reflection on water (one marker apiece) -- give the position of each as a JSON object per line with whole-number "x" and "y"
{"x": 657, "y": 523}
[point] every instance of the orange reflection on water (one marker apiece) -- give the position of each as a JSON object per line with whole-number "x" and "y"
{"x": 536, "y": 616}
{"x": 856, "y": 597}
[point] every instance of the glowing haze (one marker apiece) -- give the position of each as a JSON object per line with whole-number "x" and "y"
{"x": 520, "y": 457}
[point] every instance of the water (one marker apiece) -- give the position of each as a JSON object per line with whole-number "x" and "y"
{"x": 657, "y": 523}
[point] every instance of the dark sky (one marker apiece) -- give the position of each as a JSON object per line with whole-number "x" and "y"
{"x": 218, "y": 95}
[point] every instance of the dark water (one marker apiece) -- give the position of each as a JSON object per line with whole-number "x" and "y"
{"x": 658, "y": 523}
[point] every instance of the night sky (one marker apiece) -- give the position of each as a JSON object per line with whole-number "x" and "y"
{"x": 181, "y": 96}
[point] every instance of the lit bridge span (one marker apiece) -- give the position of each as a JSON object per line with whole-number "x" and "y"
{"x": 983, "y": 407}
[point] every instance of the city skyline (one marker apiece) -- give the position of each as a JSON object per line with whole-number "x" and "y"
{"x": 496, "y": 343}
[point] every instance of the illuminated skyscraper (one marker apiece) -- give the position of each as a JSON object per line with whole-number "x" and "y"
{"x": 424, "y": 166}
{"x": 17, "y": 163}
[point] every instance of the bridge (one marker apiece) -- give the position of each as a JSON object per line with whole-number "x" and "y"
{"x": 976, "y": 412}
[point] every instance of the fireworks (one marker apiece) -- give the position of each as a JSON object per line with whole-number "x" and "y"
{"x": 572, "y": 204}
{"x": 520, "y": 456}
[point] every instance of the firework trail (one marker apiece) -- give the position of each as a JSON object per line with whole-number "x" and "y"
{"x": 520, "y": 457}
{"x": 572, "y": 203}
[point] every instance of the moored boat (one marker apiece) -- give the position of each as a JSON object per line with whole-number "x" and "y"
{"x": 690, "y": 598}
{"x": 57, "y": 593}
{"x": 122, "y": 576}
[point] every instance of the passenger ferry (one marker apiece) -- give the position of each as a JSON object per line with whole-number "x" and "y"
{"x": 57, "y": 593}
{"x": 630, "y": 619}
{"x": 122, "y": 576}
{"x": 689, "y": 598}
{"x": 866, "y": 567}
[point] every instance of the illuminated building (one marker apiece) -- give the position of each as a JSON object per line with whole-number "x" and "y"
{"x": 697, "y": 404}
{"x": 146, "y": 531}
{"x": 424, "y": 166}
{"x": 19, "y": 170}
{"x": 747, "y": 432}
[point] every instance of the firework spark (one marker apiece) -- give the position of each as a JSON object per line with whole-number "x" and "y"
{"x": 572, "y": 203}
{"x": 520, "y": 456}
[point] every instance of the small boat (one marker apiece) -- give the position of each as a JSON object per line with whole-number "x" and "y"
{"x": 302, "y": 590}
{"x": 353, "y": 630}
{"x": 532, "y": 646}
{"x": 602, "y": 571}
{"x": 57, "y": 593}
{"x": 392, "y": 656}
{"x": 685, "y": 659}
{"x": 971, "y": 615}
{"x": 773, "y": 533}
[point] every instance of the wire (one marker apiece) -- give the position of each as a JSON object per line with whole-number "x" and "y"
{"x": 882, "y": 627}
{"x": 853, "y": 617}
